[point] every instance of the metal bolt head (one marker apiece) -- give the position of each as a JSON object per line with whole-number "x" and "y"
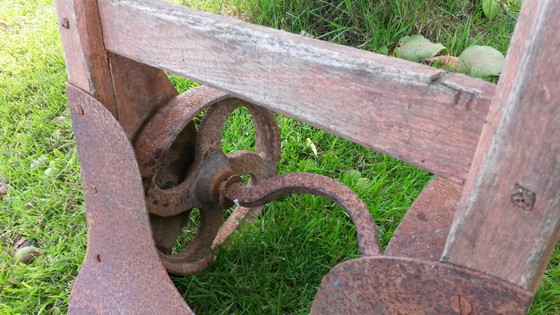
{"x": 65, "y": 23}
{"x": 461, "y": 305}
{"x": 522, "y": 197}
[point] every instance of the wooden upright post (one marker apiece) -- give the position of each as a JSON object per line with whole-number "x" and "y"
{"x": 509, "y": 217}
{"x": 130, "y": 90}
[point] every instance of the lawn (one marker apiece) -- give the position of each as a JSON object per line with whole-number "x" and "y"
{"x": 272, "y": 266}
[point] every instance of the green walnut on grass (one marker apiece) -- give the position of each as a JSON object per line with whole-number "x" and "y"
{"x": 25, "y": 251}
{"x": 476, "y": 61}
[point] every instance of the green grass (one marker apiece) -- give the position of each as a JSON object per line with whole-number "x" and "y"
{"x": 272, "y": 266}
{"x": 38, "y": 156}
{"x": 457, "y": 24}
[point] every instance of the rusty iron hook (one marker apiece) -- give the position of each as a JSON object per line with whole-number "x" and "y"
{"x": 307, "y": 183}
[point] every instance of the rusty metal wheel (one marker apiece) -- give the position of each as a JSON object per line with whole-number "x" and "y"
{"x": 183, "y": 168}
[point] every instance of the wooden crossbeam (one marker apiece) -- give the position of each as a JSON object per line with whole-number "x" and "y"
{"x": 424, "y": 116}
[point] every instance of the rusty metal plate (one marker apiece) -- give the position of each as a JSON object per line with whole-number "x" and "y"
{"x": 423, "y": 231}
{"x": 390, "y": 285}
{"x": 121, "y": 272}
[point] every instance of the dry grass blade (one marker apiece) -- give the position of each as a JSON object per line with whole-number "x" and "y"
{"x": 447, "y": 60}
{"x": 4, "y": 25}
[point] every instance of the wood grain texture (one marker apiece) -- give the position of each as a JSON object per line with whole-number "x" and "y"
{"x": 87, "y": 62}
{"x": 130, "y": 90}
{"x": 421, "y": 115}
{"x": 509, "y": 218}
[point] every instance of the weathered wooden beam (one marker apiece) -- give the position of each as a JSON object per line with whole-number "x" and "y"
{"x": 130, "y": 90}
{"x": 421, "y": 115}
{"x": 509, "y": 218}
{"x": 87, "y": 61}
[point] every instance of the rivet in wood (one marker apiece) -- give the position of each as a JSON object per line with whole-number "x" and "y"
{"x": 65, "y": 23}
{"x": 522, "y": 197}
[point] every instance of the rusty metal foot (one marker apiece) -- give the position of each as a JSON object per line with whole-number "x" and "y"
{"x": 121, "y": 271}
{"x": 396, "y": 285}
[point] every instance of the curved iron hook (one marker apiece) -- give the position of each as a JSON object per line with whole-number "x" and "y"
{"x": 292, "y": 183}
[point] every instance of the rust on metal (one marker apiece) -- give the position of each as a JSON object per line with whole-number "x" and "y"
{"x": 65, "y": 23}
{"x": 198, "y": 254}
{"x": 206, "y": 178}
{"x": 293, "y": 183}
{"x": 461, "y": 305}
{"x": 182, "y": 169}
{"x": 170, "y": 125}
{"x": 393, "y": 285}
{"x": 423, "y": 231}
{"x": 167, "y": 127}
{"x": 166, "y": 230}
{"x": 121, "y": 272}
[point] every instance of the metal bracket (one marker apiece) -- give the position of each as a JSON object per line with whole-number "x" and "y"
{"x": 180, "y": 168}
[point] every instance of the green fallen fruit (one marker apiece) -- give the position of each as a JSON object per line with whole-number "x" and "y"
{"x": 26, "y": 254}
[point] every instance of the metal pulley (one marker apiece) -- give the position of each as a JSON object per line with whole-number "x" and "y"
{"x": 181, "y": 166}
{"x": 184, "y": 168}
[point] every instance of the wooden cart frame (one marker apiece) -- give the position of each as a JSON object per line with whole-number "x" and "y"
{"x": 494, "y": 148}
